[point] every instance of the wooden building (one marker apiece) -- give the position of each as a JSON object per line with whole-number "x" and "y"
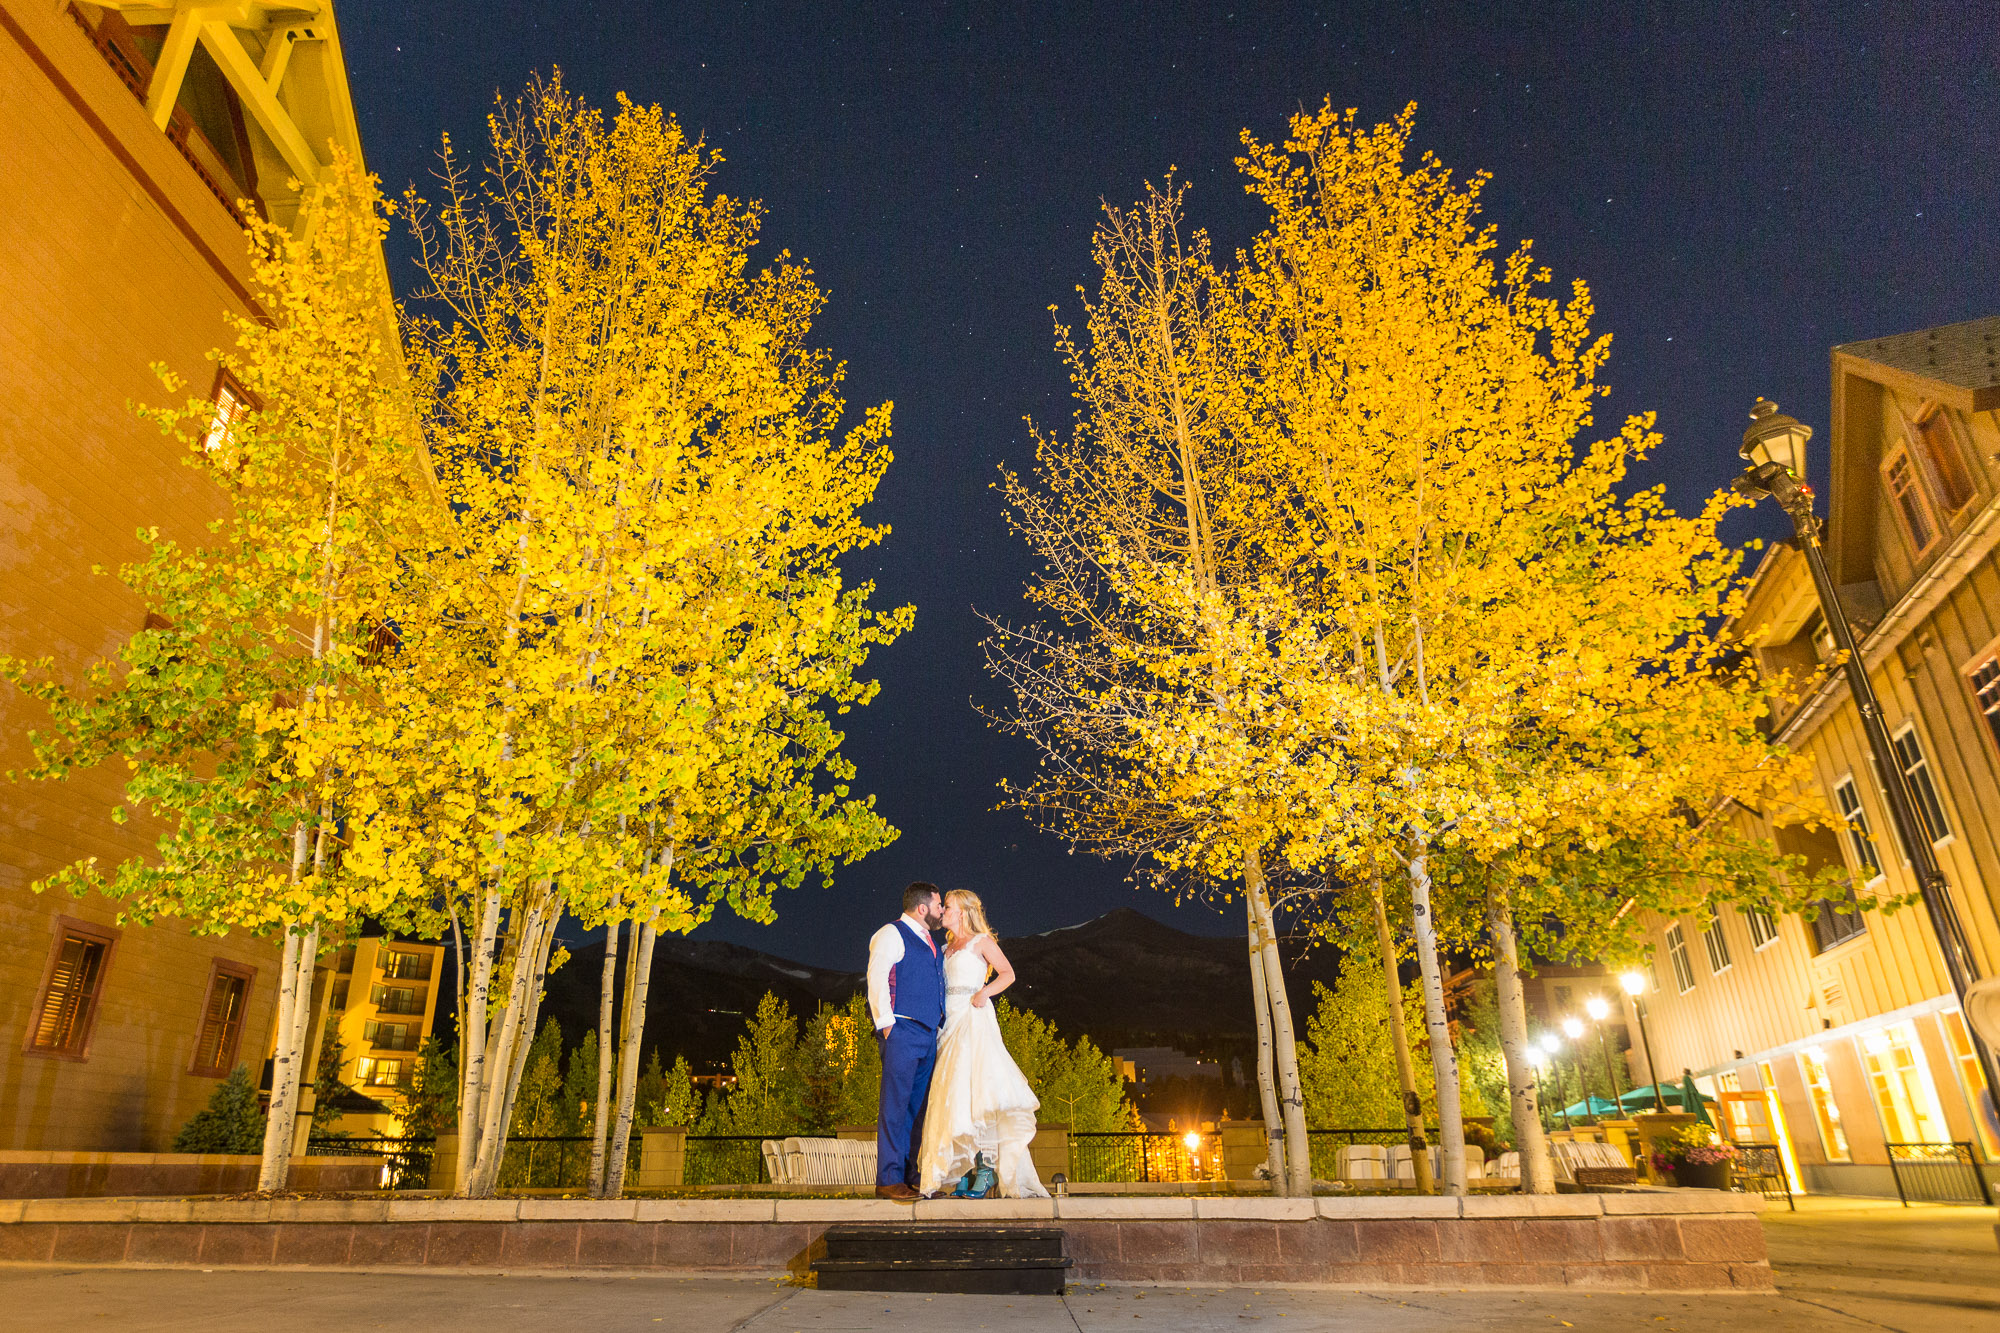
{"x": 133, "y": 140}
{"x": 1847, "y": 1022}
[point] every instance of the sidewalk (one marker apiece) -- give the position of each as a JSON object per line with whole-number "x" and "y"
{"x": 1841, "y": 1264}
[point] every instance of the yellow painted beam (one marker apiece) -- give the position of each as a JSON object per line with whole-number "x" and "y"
{"x": 259, "y": 100}
{"x": 277, "y": 56}
{"x": 171, "y": 67}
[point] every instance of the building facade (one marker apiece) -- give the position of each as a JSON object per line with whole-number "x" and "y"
{"x": 1846, "y": 1022}
{"x": 383, "y": 1004}
{"x": 134, "y": 140}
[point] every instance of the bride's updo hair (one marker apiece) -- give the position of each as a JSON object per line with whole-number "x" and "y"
{"x": 973, "y": 911}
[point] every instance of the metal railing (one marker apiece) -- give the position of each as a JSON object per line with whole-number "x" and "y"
{"x": 726, "y": 1159}
{"x": 406, "y": 1162}
{"x": 1760, "y": 1169}
{"x": 1326, "y": 1144}
{"x": 1129, "y": 1157}
{"x": 1938, "y": 1173}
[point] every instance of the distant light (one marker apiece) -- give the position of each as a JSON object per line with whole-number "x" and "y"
{"x": 1551, "y": 1042}
{"x": 1573, "y": 1028}
{"x": 1598, "y": 1008}
{"x": 1192, "y": 1140}
{"x": 1634, "y": 982}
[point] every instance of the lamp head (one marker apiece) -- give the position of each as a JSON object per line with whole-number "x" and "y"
{"x": 1572, "y": 1028}
{"x": 1634, "y": 982}
{"x": 1774, "y": 437}
{"x": 1598, "y": 1008}
{"x": 1551, "y": 1042}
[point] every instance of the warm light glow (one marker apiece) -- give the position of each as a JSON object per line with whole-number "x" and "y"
{"x": 1192, "y": 1140}
{"x": 1634, "y": 982}
{"x": 1551, "y": 1042}
{"x": 1598, "y": 1008}
{"x": 1538, "y": 1058}
{"x": 1573, "y": 1028}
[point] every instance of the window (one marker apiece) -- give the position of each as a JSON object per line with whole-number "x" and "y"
{"x": 1835, "y": 922}
{"x": 71, "y": 987}
{"x": 1826, "y": 1111}
{"x": 1902, "y": 1086}
{"x": 1763, "y": 929}
{"x": 1936, "y": 443}
{"x": 1985, "y": 680}
{"x": 1971, "y": 1079}
{"x": 379, "y": 1073}
{"x": 1677, "y": 952}
{"x": 1917, "y": 772}
{"x": 407, "y": 966}
{"x": 1907, "y": 498}
{"x": 1562, "y": 999}
{"x": 221, "y": 1019}
{"x": 1859, "y": 838}
{"x": 395, "y": 1000}
{"x": 232, "y": 404}
{"x": 1717, "y": 947}
{"x": 388, "y": 1036}
{"x": 337, "y": 1002}
{"x": 343, "y": 961}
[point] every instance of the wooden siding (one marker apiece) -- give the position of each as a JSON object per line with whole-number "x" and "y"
{"x": 113, "y": 256}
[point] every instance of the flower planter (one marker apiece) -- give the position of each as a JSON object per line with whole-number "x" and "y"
{"x": 1702, "y": 1176}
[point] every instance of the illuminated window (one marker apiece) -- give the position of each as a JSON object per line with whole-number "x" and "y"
{"x": 1971, "y": 1078}
{"x": 1917, "y": 771}
{"x": 405, "y": 966}
{"x": 221, "y": 1019}
{"x": 1769, "y": 1078}
{"x": 1902, "y": 1086}
{"x": 232, "y": 404}
{"x": 1677, "y": 953}
{"x": 1826, "y": 1111}
{"x": 1763, "y": 930}
{"x": 1716, "y": 946}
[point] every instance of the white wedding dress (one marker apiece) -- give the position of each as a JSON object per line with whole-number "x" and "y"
{"x": 979, "y": 1102}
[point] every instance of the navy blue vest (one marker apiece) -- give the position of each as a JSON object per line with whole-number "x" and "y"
{"x": 916, "y": 984}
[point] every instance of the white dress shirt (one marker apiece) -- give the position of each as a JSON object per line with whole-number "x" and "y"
{"x": 885, "y": 950}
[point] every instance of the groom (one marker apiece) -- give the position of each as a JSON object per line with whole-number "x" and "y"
{"x": 906, "y": 1004}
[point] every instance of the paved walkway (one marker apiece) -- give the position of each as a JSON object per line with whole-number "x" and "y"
{"x": 1841, "y": 1266}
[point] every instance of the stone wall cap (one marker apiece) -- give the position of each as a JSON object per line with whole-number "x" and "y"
{"x": 1209, "y": 1208}
{"x": 1680, "y": 1202}
{"x": 1347, "y": 1209}
{"x": 579, "y": 1210}
{"x": 985, "y": 1210}
{"x": 843, "y": 1210}
{"x": 1156, "y": 1207}
{"x": 1532, "y": 1205}
{"x": 454, "y": 1210}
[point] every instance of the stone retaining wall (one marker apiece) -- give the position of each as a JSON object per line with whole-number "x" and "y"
{"x": 95, "y": 1175}
{"x": 1646, "y": 1241}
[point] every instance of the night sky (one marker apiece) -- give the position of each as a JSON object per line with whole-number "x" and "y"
{"x": 1741, "y": 191}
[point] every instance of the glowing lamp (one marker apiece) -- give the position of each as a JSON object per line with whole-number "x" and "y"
{"x": 1598, "y": 1008}
{"x": 1774, "y": 437}
{"x": 1634, "y": 983}
{"x": 1573, "y": 1028}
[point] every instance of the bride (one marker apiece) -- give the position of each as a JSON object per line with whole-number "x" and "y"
{"x": 979, "y": 1102}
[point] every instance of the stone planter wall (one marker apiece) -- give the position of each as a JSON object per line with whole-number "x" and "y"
{"x": 93, "y": 1175}
{"x": 1642, "y": 1241}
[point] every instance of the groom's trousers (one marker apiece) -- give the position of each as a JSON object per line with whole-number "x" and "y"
{"x": 909, "y": 1053}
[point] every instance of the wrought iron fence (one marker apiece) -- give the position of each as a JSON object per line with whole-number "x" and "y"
{"x": 726, "y": 1159}
{"x": 1760, "y": 1169}
{"x": 1130, "y": 1157}
{"x": 1326, "y": 1144}
{"x": 1938, "y": 1173}
{"x": 406, "y": 1162}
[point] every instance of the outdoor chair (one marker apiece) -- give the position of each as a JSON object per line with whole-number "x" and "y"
{"x": 815, "y": 1161}
{"x": 1403, "y": 1169}
{"x": 1362, "y": 1161}
{"x": 1507, "y": 1166}
{"x": 1582, "y": 1165}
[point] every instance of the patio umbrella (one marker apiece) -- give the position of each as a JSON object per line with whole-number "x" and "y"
{"x": 1641, "y": 1099}
{"x": 1597, "y": 1107}
{"x": 1692, "y": 1100}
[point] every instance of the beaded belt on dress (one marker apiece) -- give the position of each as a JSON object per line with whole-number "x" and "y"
{"x": 960, "y": 990}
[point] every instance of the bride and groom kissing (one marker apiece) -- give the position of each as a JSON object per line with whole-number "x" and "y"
{"x": 953, "y": 1100}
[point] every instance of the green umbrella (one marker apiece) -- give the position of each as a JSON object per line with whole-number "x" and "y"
{"x": 1692, "y": 1100}
{"x": 1641, "y": 1099}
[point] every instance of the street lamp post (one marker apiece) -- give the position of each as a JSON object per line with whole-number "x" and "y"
{"x": 1551, "y": 1044}
{"x": 1573, "y": 1029}
{"x": 1599, "y": 1009}
{"x": 1540, "y": 1061}
{"x": 1774, "y": 448}
{"x": 1634, "y": 984}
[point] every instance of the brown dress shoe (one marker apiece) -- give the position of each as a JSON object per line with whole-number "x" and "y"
{"x": 901, "y": 1193}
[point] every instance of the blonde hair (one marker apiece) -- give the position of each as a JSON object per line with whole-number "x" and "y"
{"x": 973, "y": 910}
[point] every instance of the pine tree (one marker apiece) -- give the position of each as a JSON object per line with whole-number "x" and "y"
{"x": 230, "y": 1123}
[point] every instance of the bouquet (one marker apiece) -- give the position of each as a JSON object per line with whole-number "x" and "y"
{"x": 1694, "y": 1146}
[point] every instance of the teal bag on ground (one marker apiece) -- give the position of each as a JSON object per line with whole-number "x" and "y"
{"x": 978, "y": 1182}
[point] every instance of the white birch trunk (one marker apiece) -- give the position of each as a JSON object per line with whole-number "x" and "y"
{"x": 599, "y": 1110}
{"x": 501, "y": 1064}
{"x": 1399, "y": 1037}
{"x": 1267, "y": 1089}
{"x": 1444, "y": 1060}
{"x": 628, "y": 1065}
{"x": 277, "y": 1134}
{"x": 1284, "y": 1044}
{"x": 473, "y": 1035}
{"x": 1537, "y": 1171}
